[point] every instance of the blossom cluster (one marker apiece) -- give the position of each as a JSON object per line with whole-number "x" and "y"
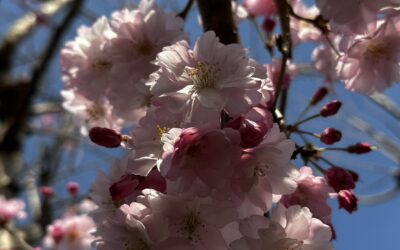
{"x": 209, "y": 165}
{"x": 357, "y": 41}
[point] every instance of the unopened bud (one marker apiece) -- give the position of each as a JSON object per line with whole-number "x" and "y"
{"x": 73, "y": 188}
{"x": 340, "y": 179}
{"x": 47, "y": 191}
{"x": 319, "y": 95}
{"x": 132, "y": 185}
{"x": 330, "y": 109}
{"x": 124, "y": 187}
{"x": 105, "y": 137}
{"x": 347, "y": 200}
{"x": 57, "y": 233}
{"x": 360, "y": 148}
{"x": 330, "y": 136}
{"x": 268, "y": 25}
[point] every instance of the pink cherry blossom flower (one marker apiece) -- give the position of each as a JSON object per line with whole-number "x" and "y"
{"x": 264, "y": 170}
{"x": 371, "y": 63}
{"x": 11, "y": 209}
{"x": 72, "y": 232}
{"x": 260, "y": 7}
{"x": 204, "y": 81}
{"x": 127, "y": 178}
{"x": 84, "y": 63}
{"x": 90, "y": 114}
{"x": 353, "y": 15}
{"x": 193, "y": 224}
{"x": 291, "y": 228}
{"x": 204, "y": 154}
{"x": 312, "y": 192}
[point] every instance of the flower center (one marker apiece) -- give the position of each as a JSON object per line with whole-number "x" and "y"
{"x": 101, "y": 64}
{"x": 260, "y": 170}
{"x": 203, "y": 76}
{"x": 377, "y": 51}
{"x": 73, "y": 235}
{"x": 161, "y": 131}
{"x": 95, "y": 112}
{"x": 144, "y": 48}
{"x": 190, "y": 224}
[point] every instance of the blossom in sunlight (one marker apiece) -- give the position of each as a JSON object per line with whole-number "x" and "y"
{"x": 84, "y": 63}
{"x": 112, "y": 59}
{"x": 372, "y": 63}
{"x": 202, "y": 82}
{"x": 353, "y": 15}
{"x": 265, "y": 170}
{"x": 289, "y": 228}
{"x": 312, "y": 192}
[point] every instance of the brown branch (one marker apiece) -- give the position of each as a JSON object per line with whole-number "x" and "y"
{"x": 217, "y": 16}
{"x": 21, "y": 29}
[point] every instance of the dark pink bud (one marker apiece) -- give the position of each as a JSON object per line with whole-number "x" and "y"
{"x": 330, "y": 136}
{"x": 360, "y": 148}
{"x": 319, "y": 95}
{"x": 347, "y": 200}
{"x": 252, "y": 133}
{"x": 57, "y": 233}
{"x": 330, "y": 109}
{"x": 340, "y": 179}
{"x": 105, "y": 137}
{"x": 132, "y": 185}
{"x": 73, "y": 188}
{"x": 268, "y": 25}
{"x": 124, "y": 187}
{"x": 47, "y": 191}
{"x": 235, "y": 123}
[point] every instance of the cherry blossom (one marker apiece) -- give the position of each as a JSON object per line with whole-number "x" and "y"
{"x": 371, "y": 63}
{"x": 291, "y": 228}
{"x": 206, "y": 80}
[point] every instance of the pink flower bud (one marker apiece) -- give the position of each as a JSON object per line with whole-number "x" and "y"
{"x": 47, "y": 191}
{"x": 347, "y": 200}
{"x": 132, "y": 185}
{"x": 124, "y": 187}
{"x": 340, "y": 179}
{"x": 260, "y": 7}
{"x": 330, "y": 136}
{"x": 252, "y": 133}
{"x": 73, "y": 188}
{"x": 319, "y": 95}
{"x": 105, "y": 137}
{"x": 331, "y": 108}
{"x": 252, "y": 126}
{"x": 360, "y": 148}
{"x": 268, "y": 25}
{"x": 57, "y": 233}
